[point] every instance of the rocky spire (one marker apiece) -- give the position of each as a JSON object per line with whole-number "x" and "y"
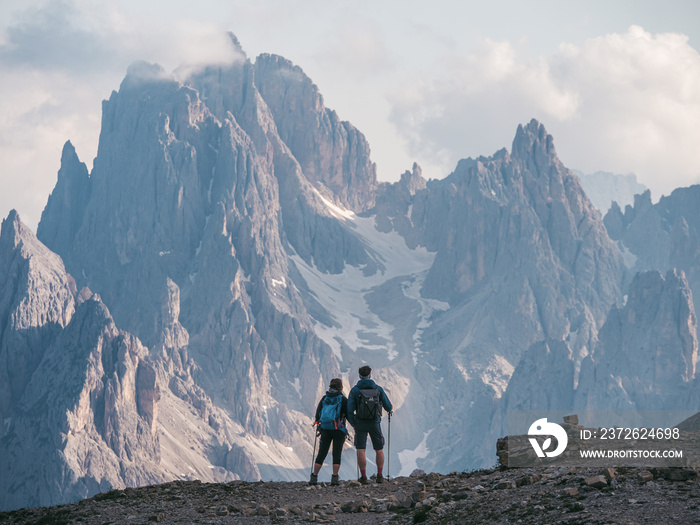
{"x": 72, "y": 192}
{"x": 533, "y": 143}
{"x": 648, "y": 349}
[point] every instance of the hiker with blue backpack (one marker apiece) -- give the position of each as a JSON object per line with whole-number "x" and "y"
{"x": 365, "y": 404}
{"x": 331, "y": 414}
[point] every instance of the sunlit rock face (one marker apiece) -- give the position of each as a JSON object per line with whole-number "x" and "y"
{"x": 79, "y": 397}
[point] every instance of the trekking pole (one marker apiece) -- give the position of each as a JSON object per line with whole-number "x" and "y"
{"x": 314, "y": 453}
{"x": 388, "y": 466}
{"x": 357, "y": 459}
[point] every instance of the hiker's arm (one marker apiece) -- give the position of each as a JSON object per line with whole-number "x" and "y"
{"x": 317, "y": 418}
{"x": 386, "y": 402}
{"x": 351, "y": 408}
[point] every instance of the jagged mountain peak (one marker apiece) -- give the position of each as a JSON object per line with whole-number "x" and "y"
{"x": 15, "y": 236}
{"x": 70, "y": 162}
{"x": 237, "y": 45}
{"x": 140, "y": 72}
{"x": 68, "y": 152}
{"x": 332, "y": 154}
{"x": 12, "y": 228}
{"x": 532, "y": 139}
{"x": 267, "y": 64}
{"x": 413, "y": 181}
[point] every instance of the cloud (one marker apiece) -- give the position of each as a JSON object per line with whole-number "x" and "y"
{"x": 64, "y": 35}
{"x": 56, "y": 36}
{"x": 355, "y": 46}
{"x": 58, "y": 60}
{"x": 622, "y": 102}
{"x": 462, "y": 106}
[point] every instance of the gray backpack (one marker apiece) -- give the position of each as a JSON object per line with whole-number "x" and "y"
{"x": 369, "y": 406}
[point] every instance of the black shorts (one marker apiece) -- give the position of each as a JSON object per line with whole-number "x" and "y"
{"x": 373, "y": 428}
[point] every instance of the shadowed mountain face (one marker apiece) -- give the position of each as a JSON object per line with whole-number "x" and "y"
{"x": 662, "y": 236}
{"x": 244, "y": 255}
{"x": 645, "y": 357}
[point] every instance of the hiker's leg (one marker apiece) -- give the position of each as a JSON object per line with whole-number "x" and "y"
{"x": 361, "y": 445}
{"x": 326, "y": 438}
{"x": 380, "y": 460}
{"x": 378, "y": 445}
{"x": 338, "y": 442}
{"x": 361, "y": 459}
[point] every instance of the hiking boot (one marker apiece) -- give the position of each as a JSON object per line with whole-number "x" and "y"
{"x": 334, "y": 480}
{"x": 364, "y": 480}
{"x": 380, "y": 478}
{"x": 313, "y": 480}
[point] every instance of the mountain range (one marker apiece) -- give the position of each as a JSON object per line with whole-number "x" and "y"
{"x": 183, "y": 305}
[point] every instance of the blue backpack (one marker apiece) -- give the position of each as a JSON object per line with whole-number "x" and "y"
{"x": 330, "y": 412}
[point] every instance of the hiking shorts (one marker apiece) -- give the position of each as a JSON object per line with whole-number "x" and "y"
{"x": 362, "y": 428}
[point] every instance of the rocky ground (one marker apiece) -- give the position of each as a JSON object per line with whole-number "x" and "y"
{"x": 528, "y": 496}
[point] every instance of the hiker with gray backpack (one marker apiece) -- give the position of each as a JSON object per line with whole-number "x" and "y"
{"x": 331, "y": 414}
{"x": 365, "y": 404}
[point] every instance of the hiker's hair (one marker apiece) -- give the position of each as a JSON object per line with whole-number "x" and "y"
{"x": 336, "y": 383}
{"x": 365, "y": 371}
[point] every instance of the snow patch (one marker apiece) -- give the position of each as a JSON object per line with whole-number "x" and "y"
{"x": 411, "y": 289}
{"x": 279, "y": 282}
{"x": 335, "y": 210}
{"x": 343, "y": 295}
{"x": 409, "y": 458}
{"x": 297, "y": 385}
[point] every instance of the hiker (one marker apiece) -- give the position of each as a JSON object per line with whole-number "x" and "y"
{"x": 330, "y": 420}
{"x": 365, "y": 404}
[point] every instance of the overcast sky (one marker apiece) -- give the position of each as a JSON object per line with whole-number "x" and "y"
{"x": 617, "y": 83}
